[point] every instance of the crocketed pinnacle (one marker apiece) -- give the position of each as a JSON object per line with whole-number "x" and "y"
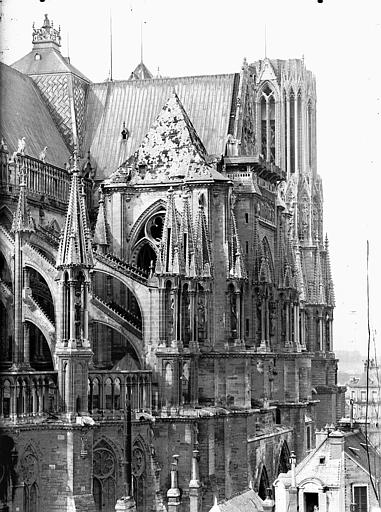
{"x": 22, "y": 218}
{"x": 75, "y": 242}
{"x": 101, "y": 230}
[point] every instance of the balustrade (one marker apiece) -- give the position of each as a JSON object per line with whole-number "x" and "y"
{"x": 42, "y": 178}
{"x": 24, "y": 395}
{"x": 107, "y": 391}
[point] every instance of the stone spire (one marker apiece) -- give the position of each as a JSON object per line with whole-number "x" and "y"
{"x": 46, "y": 36}
{"x": 169, "y": 247}
{"x": 203, "y": 252}
{"x": 101, "y": 237}
{"x": 22, "y": 219}
{"x": 75, "y": 243}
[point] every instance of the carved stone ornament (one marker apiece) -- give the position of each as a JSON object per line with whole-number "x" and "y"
{"x": 29, "y": 468}
{"x": 138, "y": 461}
{"x": 104, "y": 463}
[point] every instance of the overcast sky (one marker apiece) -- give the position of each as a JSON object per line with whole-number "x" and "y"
{"x": 340, "y": 41}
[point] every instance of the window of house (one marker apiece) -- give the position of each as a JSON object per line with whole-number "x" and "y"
{"x": 360, "y": 497}
{"x": 363, "y": 396}
{"x": 308, "y": 435}
{"x": 322, "y": 460}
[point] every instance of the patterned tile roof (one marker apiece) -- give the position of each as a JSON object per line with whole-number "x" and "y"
{"x": 137, "y": 103}
{"x": 50, "y": 61}
{"x": 24, "y": 114}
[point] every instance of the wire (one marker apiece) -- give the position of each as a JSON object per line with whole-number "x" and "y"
{"x": 367, "y": 374}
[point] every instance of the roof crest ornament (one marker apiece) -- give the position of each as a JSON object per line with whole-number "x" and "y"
{"x": 47, "y": 33}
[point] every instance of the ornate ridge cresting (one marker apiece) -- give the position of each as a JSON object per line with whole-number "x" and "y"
{"x": 47, "y": 33}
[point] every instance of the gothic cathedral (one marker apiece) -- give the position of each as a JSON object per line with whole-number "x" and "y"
{"x": 166, "y": 293}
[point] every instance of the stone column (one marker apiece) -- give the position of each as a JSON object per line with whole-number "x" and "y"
{"x": 192, "y": 294}
{"x": 296, "y": 325}
{"x": 302, "y": 328}
{"x": 296, "y": 134}
{"x": 18, "y": 351}
{"x": 195, "y": 495}
{"x": 173, "y": 494}
{"x": 330, "y": 334}
{"x": 26, "y": 354}
{"x": 71, "y": 306}
{"x": 320, "y": 332}
{"x": 238, "y": 310}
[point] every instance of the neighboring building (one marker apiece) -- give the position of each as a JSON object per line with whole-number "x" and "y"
{"x": 161, "y": 240}
{"x": 357, "y": 392}
{"x": 333, "y": 476}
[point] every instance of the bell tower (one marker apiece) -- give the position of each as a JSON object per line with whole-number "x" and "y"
{"x": 74, "y": 261}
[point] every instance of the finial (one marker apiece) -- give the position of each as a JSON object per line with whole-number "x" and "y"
{"x": 125, "y": 133}
{"x": 42, "y": 155}
{"x": 21, "y": 146}
{"x": 265, "y": 42}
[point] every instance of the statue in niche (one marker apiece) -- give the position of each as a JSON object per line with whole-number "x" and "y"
{"x": 201, "y": 317}
{"x": 233, "y": 315}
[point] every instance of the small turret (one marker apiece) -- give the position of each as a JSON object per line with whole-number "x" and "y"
{"x": 47, "y": 36}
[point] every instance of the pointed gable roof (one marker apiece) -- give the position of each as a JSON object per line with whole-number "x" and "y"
{"x": 75, "y": 242}
{"x": 141, "y": 72}
{"x": 266, "y": 71}
{"x": 171, "y": 151}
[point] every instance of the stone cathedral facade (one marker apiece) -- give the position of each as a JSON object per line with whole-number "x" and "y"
{"x": 162, "y": 243}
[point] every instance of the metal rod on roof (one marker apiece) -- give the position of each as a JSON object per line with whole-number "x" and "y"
{"x": 265, "y": 42}
{"x": 110, "y": 46}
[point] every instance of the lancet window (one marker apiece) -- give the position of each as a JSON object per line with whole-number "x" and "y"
{"x": 267, "y": 108}
{"x": 104, "y": 482}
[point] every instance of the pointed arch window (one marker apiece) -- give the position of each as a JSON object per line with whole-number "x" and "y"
{"x": 267, "y": 109}
{"x": 185, "y": 315}
{"x": 104, "y": 481}
{"x": 309, "y": 132}
{"x": 263, "y": 484}
{"x": 292, "y": 131}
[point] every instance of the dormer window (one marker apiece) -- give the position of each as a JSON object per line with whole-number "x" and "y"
{"x": 125, "y": 133}
{"x": 37, "y": 56}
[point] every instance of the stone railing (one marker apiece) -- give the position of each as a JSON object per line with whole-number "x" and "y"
{"x": 42, "y": 179}
{"x": 27, "y": 394}
{"x": 122, "y": 266}
{"x": 108, "y": 390}
{"x": 131, "y": 322}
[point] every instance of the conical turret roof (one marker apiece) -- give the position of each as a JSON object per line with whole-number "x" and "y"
{"x": 75, "y": 242}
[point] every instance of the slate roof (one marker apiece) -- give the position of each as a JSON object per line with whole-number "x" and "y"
{"x": 247, "y": 501}
{"x": 171, "y": 150}
{"x": 355, "y": 447}
{"x": 206, "y": 99}
{"x": 24, "y": 114}
{"x": 51, "y": 61}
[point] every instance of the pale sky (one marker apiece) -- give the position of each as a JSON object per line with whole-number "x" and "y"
{"x": 340, "y": 41}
